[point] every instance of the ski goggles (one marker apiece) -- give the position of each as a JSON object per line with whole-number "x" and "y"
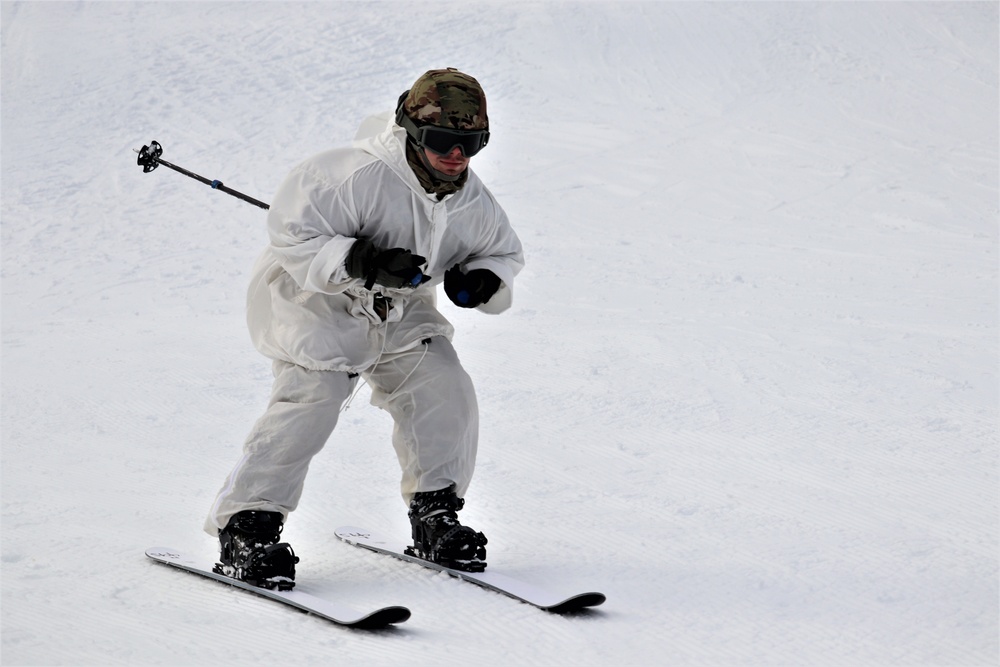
{"x": 442, "y": 140}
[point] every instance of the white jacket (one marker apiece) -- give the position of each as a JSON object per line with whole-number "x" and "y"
{"x": 303, "y": 308}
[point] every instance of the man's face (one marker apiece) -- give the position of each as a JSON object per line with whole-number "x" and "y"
{"x": 453, "y": 163}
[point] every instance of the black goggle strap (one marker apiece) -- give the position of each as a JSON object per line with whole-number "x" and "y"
{"x": 439, "y": 139}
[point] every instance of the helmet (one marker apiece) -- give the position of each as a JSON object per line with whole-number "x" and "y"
{"x": 443, "y": 109}
{"x": 447, "y": 98}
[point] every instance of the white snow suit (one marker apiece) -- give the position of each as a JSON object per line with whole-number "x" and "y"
{"x": 322, "y": 327}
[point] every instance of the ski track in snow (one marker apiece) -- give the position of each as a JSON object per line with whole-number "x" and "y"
{"x": 748, "y": 388}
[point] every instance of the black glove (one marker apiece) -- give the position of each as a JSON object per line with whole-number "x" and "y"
{"x": 395, "y": 267}
{"x": 468, "y": 290}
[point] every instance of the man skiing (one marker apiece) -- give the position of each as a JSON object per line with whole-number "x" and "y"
{"x": 359, "y": 239}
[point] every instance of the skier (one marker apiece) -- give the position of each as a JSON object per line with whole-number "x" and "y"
{"x": 359, "y": 239}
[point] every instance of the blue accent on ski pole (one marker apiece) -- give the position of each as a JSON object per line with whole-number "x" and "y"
{"x": 215, "y": 184}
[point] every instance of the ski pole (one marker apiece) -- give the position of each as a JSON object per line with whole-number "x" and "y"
{"x": 149, "y": 159}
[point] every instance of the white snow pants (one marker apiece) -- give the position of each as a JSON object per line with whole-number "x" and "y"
{"x": 425, "y": 389}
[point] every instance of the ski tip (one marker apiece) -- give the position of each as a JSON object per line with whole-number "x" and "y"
{"x": 577, "y": 603}
{"x": 383, "y": 618}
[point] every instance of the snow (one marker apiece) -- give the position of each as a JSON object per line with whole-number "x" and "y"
{"x": 748, "y": 388}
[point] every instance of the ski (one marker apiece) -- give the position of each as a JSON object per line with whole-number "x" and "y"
{"x": 492, "y": 580}
{"x": 331, "y": 611}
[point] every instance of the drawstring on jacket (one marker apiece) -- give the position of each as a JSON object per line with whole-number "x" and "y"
{"x": 382, "y": 305}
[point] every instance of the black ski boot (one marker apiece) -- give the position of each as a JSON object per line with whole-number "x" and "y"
{"x": 439, "y": 537}
{"x": 252, "y": 553}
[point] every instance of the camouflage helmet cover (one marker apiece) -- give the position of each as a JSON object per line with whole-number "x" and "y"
{"x": 447, "y": 98}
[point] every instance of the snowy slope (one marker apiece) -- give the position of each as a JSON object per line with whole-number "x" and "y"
{"x": 748, "y": 389}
